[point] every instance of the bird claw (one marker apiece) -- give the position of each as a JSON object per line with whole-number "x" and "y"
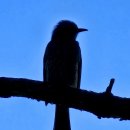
{"x": 46, "y": 103}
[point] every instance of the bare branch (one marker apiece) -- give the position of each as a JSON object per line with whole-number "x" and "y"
{"x": 101, "y": 104}
{"x": 109, "y": 88}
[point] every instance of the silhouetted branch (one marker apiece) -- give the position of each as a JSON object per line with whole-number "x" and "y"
{"x": 102, "y": 104}
{"x": 109, "y": 88}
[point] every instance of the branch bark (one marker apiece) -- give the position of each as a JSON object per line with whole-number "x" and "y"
{"x": 103, "y": 105}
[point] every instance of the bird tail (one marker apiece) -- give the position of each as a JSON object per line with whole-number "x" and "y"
{"x": 62, "y": 119}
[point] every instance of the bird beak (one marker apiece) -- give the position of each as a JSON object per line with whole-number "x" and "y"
{"x": 82, "y": 29}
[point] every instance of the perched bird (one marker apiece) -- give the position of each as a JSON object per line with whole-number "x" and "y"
{"x": 62, "y": 65}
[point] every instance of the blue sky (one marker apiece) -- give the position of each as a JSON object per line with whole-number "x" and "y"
{"x": 25, "y": 29}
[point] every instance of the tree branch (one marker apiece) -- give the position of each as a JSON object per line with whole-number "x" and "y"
{"x": 103, "y": 105}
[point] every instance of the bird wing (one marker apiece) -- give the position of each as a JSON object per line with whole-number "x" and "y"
{"x": 62, "y": 64}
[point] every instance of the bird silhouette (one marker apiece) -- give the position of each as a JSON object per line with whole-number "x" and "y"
{"x": 62, "y": 65}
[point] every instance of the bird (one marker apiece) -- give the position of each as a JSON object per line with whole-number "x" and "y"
{"x": 63, "y": 65}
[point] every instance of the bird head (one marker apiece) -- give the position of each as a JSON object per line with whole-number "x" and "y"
{"x": 66, "y": 30}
